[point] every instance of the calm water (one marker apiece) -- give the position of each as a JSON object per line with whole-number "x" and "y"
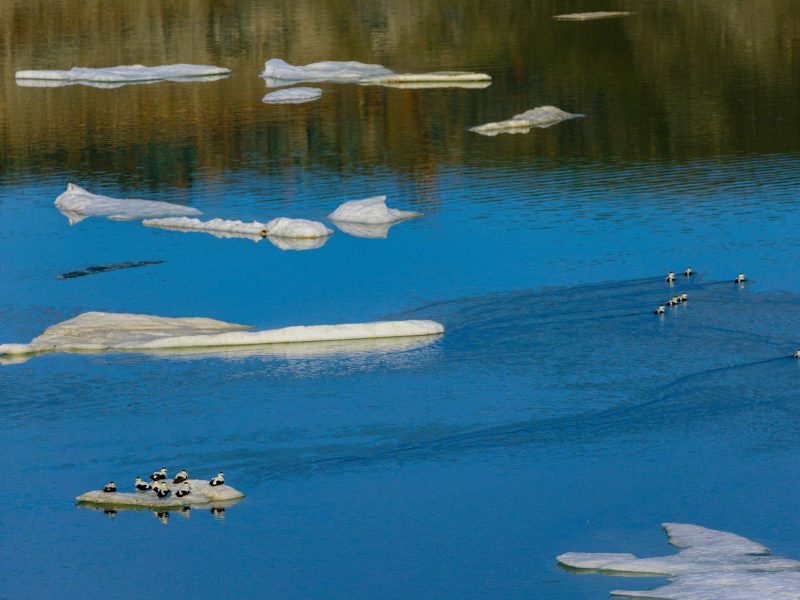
{"x": 555, "y": 414}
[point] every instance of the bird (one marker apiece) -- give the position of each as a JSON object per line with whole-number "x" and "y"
{"x": 183, "y": 490}
{"x": 670, "y": 277}
{"x": 263, "y": 233}
{"x": 684, "y": 297}
{"x": 740, "y": 279}
{"x": 140, "y": 484}
{"x": 688, "y": 272}
{"x": 110, "y": 487}
{"x": 182, "y": 476}
{"x": 797, "y": 354}
{"x": 660, "y": 310}
{"x": 158, "y": 475}
{"x": 161, "y": 489}
{"x": 219, "y": 479}
{"x": 673, "y": 301}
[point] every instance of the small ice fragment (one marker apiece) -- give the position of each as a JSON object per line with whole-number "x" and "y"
{"x": 332, "y": 70}
{"x": 588, "y": 16}
{"x": 220, "y": 227}
{"x": 297, "y": 228}
{"x": 435, "y": 77}
{"x": 296, "y": 95}
{"x": 78, "y": 204}
{"x": 200, "y": 493}
{"x": 431, "y": 85}
{"x": 711, "y": 564}
{"x": 541, "y": 117}
{"x": 370, "y": 211}
{"x": 97, "y": 331}
{"x": 122, "y": 74}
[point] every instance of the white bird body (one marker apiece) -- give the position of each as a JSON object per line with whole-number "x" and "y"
{"x": 182, "y": 476}
{"x": 670, "y": 277}
{"x": 740, "y": 279}
{"x": 184, "y": 490}
{"x": 140, "y": 484}
{"x": 159, "y": 475}
{"x": 688, "y": 272}
{"x": 660, "y": 310}
{"x": 110, "y": 487}
{"x": 218, "y": 479}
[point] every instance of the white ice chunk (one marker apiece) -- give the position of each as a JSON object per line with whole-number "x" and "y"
{"x": 299, "y": 244}
{"x": 331, "y": 70}
{"x": 541, "y": 117}
{"x": 200, "y": 493}
{"x": 78, "y": 204}
{"x": 296, "y": 95}
{"x": 255, "y": 230}
{"x": 123, "y": 74}
{"x": 711, "y": 564}
{"x": 370, "y": 211}
{"x": 587, "y": 16}
{"x": 297, "y": 228}
{"x": 96, "y": 331}
{"x": 434, "y": 77}
{"x": 431, "y": 85}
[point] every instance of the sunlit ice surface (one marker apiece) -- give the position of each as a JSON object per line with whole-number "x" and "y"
{"x": 556, "y": 413}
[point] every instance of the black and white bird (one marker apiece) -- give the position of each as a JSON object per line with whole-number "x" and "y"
{"x": 159, "y": 475}
{"x": 684, "y": 297}
{"x": 184, "y": 490}
{"x": 110, "y": 487}
{"x": 161, "y": 489}
{"x": 140, "y": 484}
{"x": 688, "y": 272}
{"x": 674, "y": 301}
{"x": 219, "y": 479}
{"x": 660, "y": 310}
{"x": 797, "y": 354}
{"x": 670, "y": 277}
{"x": 182, "y": 476}
{"x": 740, "y": 279}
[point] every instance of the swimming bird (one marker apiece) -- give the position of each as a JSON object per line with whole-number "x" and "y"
{"x": 184, "y": 490}
{"x": 218, "y": 480}
{"x": 158, "y": 475}
{"x": 161, "y": 489}
{"x": 684, "y": 297}
{"x": 140, "y": 484}
{"x": 110, "y": 487}
{"x": 740, "y": 279}
{"x": 797, "y": 354}
{"x": 659, "y": 311}
{"x": 673, "y": 301}
{"x": 182, "y": 476}
{"x": 688, "y": 272}
{"x": 670, "y": 277}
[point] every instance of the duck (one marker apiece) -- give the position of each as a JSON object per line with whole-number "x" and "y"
{"x": 184, "y": 490}
{"x": 263, "y": 233}
{"x": 219, "y": 479}
{"x": 161, "y": 489}
{"x": 140, "y": 484}
{"x": 660, "y": 310}
{"x": 159, "y": 475}
{"x": 688, "y": 272}
{"x": 740, "y": 279}
{"x": 684, "y": 297}
{"x": 182, "y": 476}
{"x": 110, "y": 487}
{"x": 670, "y": 277}
{"x": 797, "y": 354}
{"x": 673, "y": 301}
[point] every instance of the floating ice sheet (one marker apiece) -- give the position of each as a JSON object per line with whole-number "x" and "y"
{"x": 297, "y": 228}
{"x": 296, "y": 95}
{"x": 201, "y": 493}
{"x": 589, "y": 16}
{"x": 254, "y": 230}
{"x": 370, "y": 211}
{"x": 434, "y": 78}
{"x": 541, "y": 117}
{"x": 121, "y": 75}
{"x": 98, "y": 331}
{"x": 712, "y": 564}
{"x": 78, "y": 204}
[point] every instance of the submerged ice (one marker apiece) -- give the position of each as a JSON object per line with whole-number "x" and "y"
{"x": 295, "y": 95}
{"x": 97, "y": 331}
{"x": 120, "y": 75}
{"x": 711, "y": 564}
{"x": 78, "y": 204}
{"x": 541, "y": 117}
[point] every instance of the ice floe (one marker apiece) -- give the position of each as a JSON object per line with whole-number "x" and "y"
{"x": 98, "y": 331}
{"x": 710, "y": 565}
{"x": 120, "y": 75}
{"x": 296, "y": 95}
{"x": 541, "y": 117}
{"x": 78, "y": 204}
{"x": 277, "y": 71}
{"x": 201, "y": 494}
{"x": 284, "y": 227}
{"x": 370, "y": 211}
{"x": 588, "y": 16}
{"x": 254, "y": 230}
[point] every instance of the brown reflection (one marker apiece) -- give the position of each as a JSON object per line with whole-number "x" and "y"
{"x": 674, "y": 80}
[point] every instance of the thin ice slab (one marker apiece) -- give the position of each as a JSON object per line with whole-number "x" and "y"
{"x": 122, "y": 74}
{"x": 201, "y": 493}
{"x": 540, "y": 117}
{"x": 711, "y": 565}
{"x": 295, "y": 95}
{"x": 78, "y": 204}
{"x": 370, "y": 211}
{"x": 590, "y": 16}
{"x": 254, "y": 230}
{"x": 99, "y": 331}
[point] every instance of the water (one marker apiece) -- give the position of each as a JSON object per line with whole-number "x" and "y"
{"x": 555, "y": 414}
